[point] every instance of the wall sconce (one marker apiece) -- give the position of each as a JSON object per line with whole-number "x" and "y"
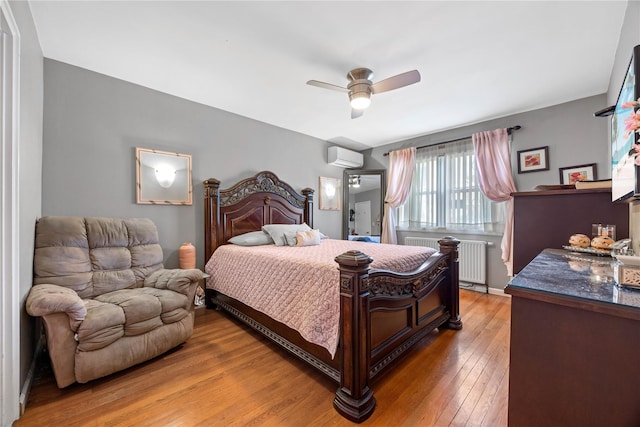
{"x": 329, "y": 189}
{"x": 162, "y": 178}
{"x": 165, "y": 175}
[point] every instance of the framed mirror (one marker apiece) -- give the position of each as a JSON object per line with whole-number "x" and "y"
{"x": 162, "y": 178}
{"x": 363, "y": 195}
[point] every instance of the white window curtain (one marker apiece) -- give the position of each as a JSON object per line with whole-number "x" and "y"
{"x": 401, "y": 166}
{"x": 445, "y": 192}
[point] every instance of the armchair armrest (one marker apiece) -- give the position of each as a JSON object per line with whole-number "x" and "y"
{"x": 177, "y": 280}
{"x": 47, "y": 299}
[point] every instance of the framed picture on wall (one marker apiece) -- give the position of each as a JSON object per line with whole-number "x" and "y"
{"x": 329, "y": 194}
{"x": 533, "y": 160}
{"x": 572, "y": 174}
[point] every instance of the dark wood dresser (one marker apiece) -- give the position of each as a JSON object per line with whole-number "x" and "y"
{"x": 546, "y": 219}
{"x": 575, "y": 344}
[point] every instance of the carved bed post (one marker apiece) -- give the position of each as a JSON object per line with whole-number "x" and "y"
{"x": 308, "y": 206}
{"x": 211, "y": 187}
{"x": 449, "y": 246}
{"x": 354, "y": 399}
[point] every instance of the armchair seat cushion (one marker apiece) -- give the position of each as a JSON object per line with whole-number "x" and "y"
{"x": 128, "y": 312}
{"x": 143, "y": 309}
{"x": 103, "y": 324}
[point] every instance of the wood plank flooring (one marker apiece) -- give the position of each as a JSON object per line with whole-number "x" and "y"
{"x": 226, "y": 375}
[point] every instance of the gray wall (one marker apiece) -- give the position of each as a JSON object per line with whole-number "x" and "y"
{"x": 92, "y": 124}
{"x": 30, "y": 167}
{"x": 573, "y": 135}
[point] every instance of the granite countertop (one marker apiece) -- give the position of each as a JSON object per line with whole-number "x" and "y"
{"x": 570, "y": 274}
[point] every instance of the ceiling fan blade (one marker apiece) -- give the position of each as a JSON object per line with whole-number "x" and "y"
{"x": 356, "y": 113}
{"x": 327, "y": 86}
{"x": 396, "y": 82}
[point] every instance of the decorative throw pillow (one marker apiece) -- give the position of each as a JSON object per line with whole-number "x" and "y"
{"x": 308, "y": 238}
{"x": 290, "y": 237}
{"x": 253, "y": 238}
{"x": 277, "y": 231}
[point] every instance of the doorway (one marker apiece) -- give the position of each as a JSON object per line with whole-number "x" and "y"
{"x": 363, "y": 218}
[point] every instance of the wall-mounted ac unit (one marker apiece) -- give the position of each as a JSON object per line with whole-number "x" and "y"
{"x": 344, "y": 158}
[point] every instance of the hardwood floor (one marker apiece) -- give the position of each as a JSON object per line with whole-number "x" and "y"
{"x": 227, "y": 375}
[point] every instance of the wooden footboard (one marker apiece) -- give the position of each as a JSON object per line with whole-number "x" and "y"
{"x": 383, "y": 314}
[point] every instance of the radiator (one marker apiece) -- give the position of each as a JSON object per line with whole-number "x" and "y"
{"x": 472, "y": 257}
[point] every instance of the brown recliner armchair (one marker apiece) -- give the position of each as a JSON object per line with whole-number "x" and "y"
{"x": 105, "y": 299}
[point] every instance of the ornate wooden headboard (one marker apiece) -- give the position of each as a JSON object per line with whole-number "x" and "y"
{"x": 250, "y": 204}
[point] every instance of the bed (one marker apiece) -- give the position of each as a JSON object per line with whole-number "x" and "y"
{"x": 381, "y": 313}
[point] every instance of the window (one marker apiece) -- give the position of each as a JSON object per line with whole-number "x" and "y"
{"x": 445, "y": 193}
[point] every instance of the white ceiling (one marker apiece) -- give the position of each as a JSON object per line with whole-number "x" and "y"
{"x": 479, "y": 60}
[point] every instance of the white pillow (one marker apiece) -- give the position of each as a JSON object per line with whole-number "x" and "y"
{"x": 253, "y": 238}
{"x": 277, "y": 231}
{"x": 290, "y": 237}
{"x": 308, "y": 238}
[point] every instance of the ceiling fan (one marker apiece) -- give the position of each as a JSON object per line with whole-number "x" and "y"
{"x": 360, "y": 87}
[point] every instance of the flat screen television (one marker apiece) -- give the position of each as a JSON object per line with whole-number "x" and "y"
{"x": 624, "y": 173}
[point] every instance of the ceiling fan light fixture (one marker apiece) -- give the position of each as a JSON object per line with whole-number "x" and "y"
{"x": 360, "y": 87}
{"x": 360, "y": 100}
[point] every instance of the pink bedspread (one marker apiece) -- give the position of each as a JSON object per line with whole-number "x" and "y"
{"x": 263, "y": 278}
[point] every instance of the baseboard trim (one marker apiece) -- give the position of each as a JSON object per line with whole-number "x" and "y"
{"x": 26, "y": 387}
{"x": 483, "y": 289}
{"x": 499, "y": 292}
{"x": 473, "y": 287}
